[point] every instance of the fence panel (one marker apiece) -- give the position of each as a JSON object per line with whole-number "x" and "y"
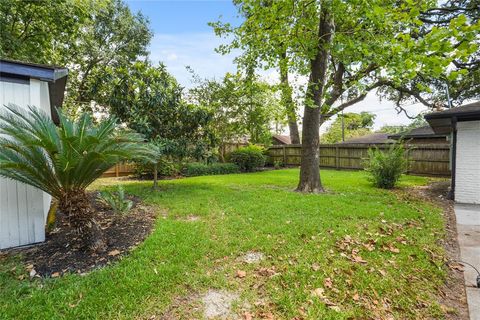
{"x": 422, "y": 159}
{"x": 120, "y": 170}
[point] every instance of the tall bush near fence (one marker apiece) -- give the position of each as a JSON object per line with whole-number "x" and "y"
{"x": 385, "y": 167}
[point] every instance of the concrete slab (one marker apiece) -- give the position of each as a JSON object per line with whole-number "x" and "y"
{"x": 473, "y": 297}
{"x": 468, "y": 214}
{"x": 468, "y": 230}
{"x": 468, "y": 236}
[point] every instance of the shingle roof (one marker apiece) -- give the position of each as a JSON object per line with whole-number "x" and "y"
{"x": 378, "y": 137}
{"x": 420, "y": 132}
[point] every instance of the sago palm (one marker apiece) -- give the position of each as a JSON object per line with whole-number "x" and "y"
{"x": 64, "y": 160}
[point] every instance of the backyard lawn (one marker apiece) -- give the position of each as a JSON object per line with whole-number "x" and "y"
{"x": 355, "y": 252}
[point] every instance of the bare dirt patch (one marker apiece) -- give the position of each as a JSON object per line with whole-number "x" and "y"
{"x": 190, "y": 218}
{"x": 252, "y": 257}
{"x": 452, "y": 295}
{"x": 218, "y": 304}
{"x": 62, "y": 252}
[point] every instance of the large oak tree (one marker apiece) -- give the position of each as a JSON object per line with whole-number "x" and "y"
{"x": 349, "y": 48}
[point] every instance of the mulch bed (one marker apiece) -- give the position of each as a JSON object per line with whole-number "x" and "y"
{"x": 452, "y": 295}
{"x": 62, "y": 252}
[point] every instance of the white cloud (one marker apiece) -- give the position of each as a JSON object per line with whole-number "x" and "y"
{"x": 197, "y": 50}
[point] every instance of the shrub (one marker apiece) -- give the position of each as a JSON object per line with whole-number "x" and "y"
{"x": 278, "y": 164}
{"x": 386, "y": 167}
{"x": 165, "y": 167}
{"x": 116, "y": 200}
{"x": 248, "y": 158}
{"x": 201, "y": 169}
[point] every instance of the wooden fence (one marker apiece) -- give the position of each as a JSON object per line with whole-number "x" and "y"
{"x": 120, "y": 170}
{"x": 431, "y": 160}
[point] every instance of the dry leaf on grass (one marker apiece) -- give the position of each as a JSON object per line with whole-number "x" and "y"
{"x": 328, "y": 283}
{"x": 318, "y": 292}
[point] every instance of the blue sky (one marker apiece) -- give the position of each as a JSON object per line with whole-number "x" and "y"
{"x": 182, "y": 16}
{"x": 183, "y": 38}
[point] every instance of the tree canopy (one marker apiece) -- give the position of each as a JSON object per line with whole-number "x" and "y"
{"x": 354, "y": 125}
{"x": 88, "y": 37}
{"x": 149, "y": 100}
{"x": 241, "y": 106}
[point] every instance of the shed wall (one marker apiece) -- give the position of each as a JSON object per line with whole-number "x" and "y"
{"x": 467, "y": 186}
{"x": 23, "y": 208}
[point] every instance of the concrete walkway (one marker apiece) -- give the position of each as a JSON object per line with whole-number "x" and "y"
{"x": 468, "y": 229}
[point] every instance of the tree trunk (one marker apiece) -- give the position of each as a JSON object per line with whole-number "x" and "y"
{"x": 287, "y": 100}
{"x": 80, "y": 213}
{"x": 52, "y": 215}
{"x": 310, "y": 164}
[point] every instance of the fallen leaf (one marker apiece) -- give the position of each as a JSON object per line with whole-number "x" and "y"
{"x": 457, "y": 267}
{"x": 315, "y": 267}
{"x": 241, "y": 274}
{"x": 355, "y": 297}
{"x": 318, "y": 292}
{"x": 32, "y": 273}
{"x": 114, "y": 253}
{"x": 55, "y": 274}
{"x": 328, "y": 283}
{"x": 247, "y": 316}
{"x": 336, "y": 308}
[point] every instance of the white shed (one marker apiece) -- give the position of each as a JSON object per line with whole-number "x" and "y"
{"x": 463, "y": 123}
{"x": 23, "y": 209}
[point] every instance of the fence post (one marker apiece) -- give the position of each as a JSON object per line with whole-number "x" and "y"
{"x": 284, "y": 155}
{"x": 337, "y": 160}
{"x": 408, "y": 160}
{"x": 117, "y": 173}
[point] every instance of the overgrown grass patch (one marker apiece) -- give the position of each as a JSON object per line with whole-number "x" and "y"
{"x": 372, "y": 253}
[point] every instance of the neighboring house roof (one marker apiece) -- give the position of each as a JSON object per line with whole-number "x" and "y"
{"x": 441, "y": 121}
{"x": 23, "y": 71}
{"x": 420, "y": 132}
{"x": 282, "y": 139}
{"x": 373, "y": 138}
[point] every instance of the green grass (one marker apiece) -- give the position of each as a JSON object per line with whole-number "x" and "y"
{"x": 306, "y": 238}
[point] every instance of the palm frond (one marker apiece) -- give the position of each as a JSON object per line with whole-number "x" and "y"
{"x": 65, "y": 158}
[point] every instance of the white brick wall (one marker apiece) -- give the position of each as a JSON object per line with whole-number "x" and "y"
{"x": 467, "y": 187}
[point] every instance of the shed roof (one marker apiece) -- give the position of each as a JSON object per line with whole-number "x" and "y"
{"x": 441, "y": 121}
{"x": 54, "y": 75}
{"x": 42, "y": 72}
{"x": 283, "y": 139}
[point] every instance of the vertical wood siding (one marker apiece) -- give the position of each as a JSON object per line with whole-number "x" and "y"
{"x": 23, "y": 208}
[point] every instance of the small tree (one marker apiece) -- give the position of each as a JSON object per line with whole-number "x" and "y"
{"x": 63, "y": 161}
{"x": 386, "y": 167}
